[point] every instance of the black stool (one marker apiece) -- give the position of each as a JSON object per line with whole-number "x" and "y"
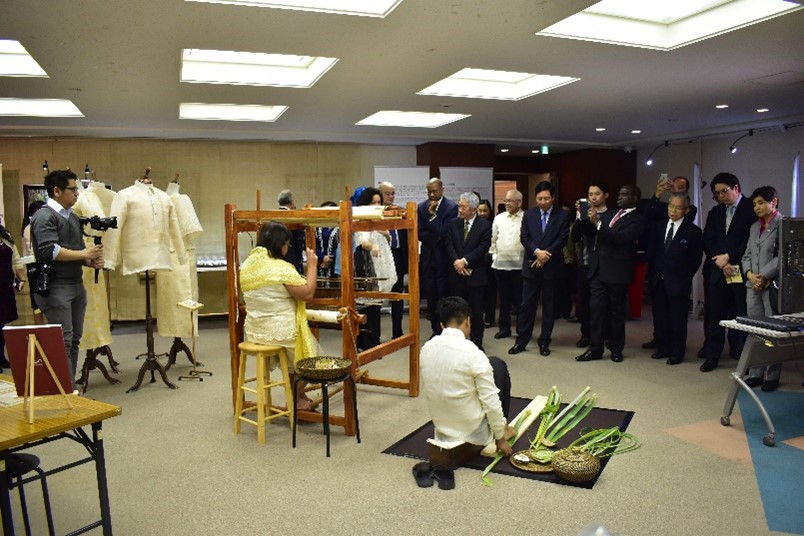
{"x": 325, "y": 394}
{"x": 18, "y": 465}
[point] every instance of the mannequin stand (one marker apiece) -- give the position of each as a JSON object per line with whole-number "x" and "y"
{"x": 91, "y": 363}
{"x": 180, "y": 346}
{"x": 195, "y": 374}
{"x": 151, "y": 362}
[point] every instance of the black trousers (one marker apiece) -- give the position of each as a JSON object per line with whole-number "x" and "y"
{"x": 725, "y": 302}
{"x": 608, "y": 302}
{"x": 532, "y": 288}
{"x": 475, "y": 297}
{"x": 371, "y": 336}
{"x": 434, "y": 286}
{"x": 670, "y": 322}
{"x": 503, "y": 382}
{"x": 583, "y": 300}
{"x": 509, "y": 285}
{"x": 490, "y": 294}
{"x": 397, "y": 306}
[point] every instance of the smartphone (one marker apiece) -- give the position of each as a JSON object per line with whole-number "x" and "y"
{"x": 584, "y": 210}
{"x": 664, "y": 177}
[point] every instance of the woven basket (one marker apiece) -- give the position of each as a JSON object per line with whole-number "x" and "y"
{"x": 575, "y": 465}
{"x": 312, "y": 368}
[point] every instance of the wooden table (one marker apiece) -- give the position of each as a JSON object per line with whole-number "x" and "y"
{"x": 55, "y": 421}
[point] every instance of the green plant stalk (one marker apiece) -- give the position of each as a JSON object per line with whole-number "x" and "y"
{"x": 571, "y": 417}
{"x": 548, "y": 415}
{"x": 573, "y": 403}
{"x": 596, "y": 442}
{"x": 517, "y": 424}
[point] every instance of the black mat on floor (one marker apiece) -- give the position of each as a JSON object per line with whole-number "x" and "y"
{"x": 414, "y": 445}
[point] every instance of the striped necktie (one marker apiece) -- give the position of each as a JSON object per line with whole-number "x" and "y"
{"x": 729, "y": 216}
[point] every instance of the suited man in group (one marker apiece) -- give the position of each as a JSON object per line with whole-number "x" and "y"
{"x": 611, "y": 269}
{"x": 468, "y": 239}
{"x": 287, "y": 201}
{"x": 399, "y": 249}
{"x": 544, "y": 233}
{"x": 434, "y": 215}
{"x": 676, "y": 249}
{"x": 725, "y": 239}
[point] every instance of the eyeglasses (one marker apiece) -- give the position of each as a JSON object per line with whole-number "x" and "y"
{"x": 73, "y": 189}
{"x": 718, "y": 193}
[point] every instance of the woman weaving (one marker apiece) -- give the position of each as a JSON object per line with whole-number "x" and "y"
{"x": 275, "y": 295}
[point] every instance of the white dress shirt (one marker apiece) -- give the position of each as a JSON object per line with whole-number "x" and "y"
{"x": 506, "y": 248}
{"x": 458, "y": 384}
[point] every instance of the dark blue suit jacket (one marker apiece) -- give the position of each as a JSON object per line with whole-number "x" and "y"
{"x": 675, "y": 267}
{"x": 431, "y": 233}
{"x": 553, "y": 240}
{"x": 473, "y": 249}
{"x": 614, "y": 254}
{"x": 717, "y": 241}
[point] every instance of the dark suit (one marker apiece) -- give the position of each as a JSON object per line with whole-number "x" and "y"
{"x": 611, "y": 269}
{"x": 670, "y": 272}
{"x": 434, "y": 267}
{"x": 541, "y": 281}
{"x": 473, "y": 249}
{"x": 296, "y": 246}
{"x": 400, "y": 253}
{"x": 727, "y": 301}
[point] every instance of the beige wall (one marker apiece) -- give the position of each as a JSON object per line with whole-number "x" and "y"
{"x": 213, "y": 173}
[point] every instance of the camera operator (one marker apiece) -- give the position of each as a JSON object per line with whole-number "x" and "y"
{"x": 57, "y": 241}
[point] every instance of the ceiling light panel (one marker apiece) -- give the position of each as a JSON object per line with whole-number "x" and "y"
{"x": 252, "y": 68}
{"x": 665, "y": 24}
{"x": 230, "y": 112}
{"x": 15, "y": 61}
{"x": 497, "y": 85}
{"x": 389, "y": 118}
{"x": 365, "y": 8}
{"x": 39, "y": 108}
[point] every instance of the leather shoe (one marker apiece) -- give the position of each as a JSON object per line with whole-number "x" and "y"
{"x": 544, "y": 350}
{"x": 617, "y": 358}
{"x": 770, "y": 385}
{"x": 752, "y": 382}
{"x": 588, "y": 356}
{"x": 674, "y": 360}
{"x": 583, "y": 342}
{"x": 650, "y": 344}
{"x": 516, "y": 348}
{"x": 658, "y": 355}
{"x": 502, "y": 334}
{"x": 702, "y": 352}
{"x": 709, "y": 365}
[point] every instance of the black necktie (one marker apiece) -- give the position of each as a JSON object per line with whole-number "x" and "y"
{"x": 669, "y": 237}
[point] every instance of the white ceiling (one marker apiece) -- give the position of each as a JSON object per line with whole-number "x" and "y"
{"x": 119, "y": 62}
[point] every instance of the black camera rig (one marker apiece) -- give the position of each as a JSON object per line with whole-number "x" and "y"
{"x": 97, "y": 223}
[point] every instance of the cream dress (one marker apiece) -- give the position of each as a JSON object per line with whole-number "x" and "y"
{"x": 384, "y": 268}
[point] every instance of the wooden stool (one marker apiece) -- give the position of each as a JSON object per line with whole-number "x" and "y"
{"x": 265, "y": 412}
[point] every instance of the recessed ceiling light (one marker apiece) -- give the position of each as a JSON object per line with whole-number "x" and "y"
{"x": 600, "y": 129}
{"x": 366, "y": 8}
{"x": 15, "y": 61}
{"x": 535, "y": 151}
{"x": 252, "y": 68}
{"x": 721, "y": 106}
{"x": 665, "y": 24}
{"x": 498, "y": 85}
{"x": 39, "y": 108}
{"x": 230, "y": 112}
{"x": 503, "y": 150}
{"x": 392, "y": 118}
{"x": 636, "y": 132}
{"x": 762, "y": 110}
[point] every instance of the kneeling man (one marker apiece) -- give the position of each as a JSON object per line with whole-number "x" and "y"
{"x": 468, "y": 394}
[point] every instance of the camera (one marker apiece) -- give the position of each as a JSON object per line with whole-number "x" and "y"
{"x": 42, "y": 286}
{"x": 100, "y": 224}
{"x": 584, "y": 208}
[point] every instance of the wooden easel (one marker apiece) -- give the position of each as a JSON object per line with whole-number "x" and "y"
{"x": 30, "y": 390}
{"x": 195, "y": 374}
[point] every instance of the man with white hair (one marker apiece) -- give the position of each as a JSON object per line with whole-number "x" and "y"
{"x": 507, "y": 254}
{"x": 399, "y": 249}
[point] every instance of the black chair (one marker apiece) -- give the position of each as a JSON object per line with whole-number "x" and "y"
{"x": 17, "y": 466}
{"x": 347, "y": 377}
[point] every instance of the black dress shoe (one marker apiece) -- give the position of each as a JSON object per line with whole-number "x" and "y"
{"x": 588, "y": 356}
{"x": 674, "y": 360}
{"x": 702, "y": 352}
{"x": 770, "y": 385}
{"x": 754, "y": 381}
{"x": 502, "y": 334}
{"x": 650, "y": 344}
{"x": 583, "y": 342}
{"x": 517, "y": 348}
{"x": 658, "y": 355}
{"x": 617, "y": 358}
{"x": 709, "y": 365}
{"x": 544, "y": 350}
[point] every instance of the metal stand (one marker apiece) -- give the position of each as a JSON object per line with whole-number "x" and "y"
{"x": 151, "y": 362}
{"x": 91, "y": 363}
{"x": 195, "y": 374}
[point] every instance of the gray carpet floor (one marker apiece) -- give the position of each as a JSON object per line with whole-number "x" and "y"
{"x": 176, "y": 467}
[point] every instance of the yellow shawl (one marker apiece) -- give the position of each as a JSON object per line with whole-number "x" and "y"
{"x": 260, "y": 270}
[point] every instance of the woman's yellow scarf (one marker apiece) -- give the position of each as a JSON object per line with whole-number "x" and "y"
{"x": 260, "y": 270}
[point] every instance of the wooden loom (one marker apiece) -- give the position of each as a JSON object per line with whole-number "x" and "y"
{"x": 239, "y": 221}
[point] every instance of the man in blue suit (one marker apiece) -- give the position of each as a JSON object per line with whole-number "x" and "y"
{"x": 434, "y": 215}
{"x": 468, "y": 239}
{"x": 676, "y": 248}
{"x": 544, "y": 233}
{"x": 725, "y": 239}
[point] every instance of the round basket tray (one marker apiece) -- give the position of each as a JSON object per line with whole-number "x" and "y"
{"x": 323, "y": 368}
{"x": 575, "y": 465}
{"x": 531, "y": 466}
